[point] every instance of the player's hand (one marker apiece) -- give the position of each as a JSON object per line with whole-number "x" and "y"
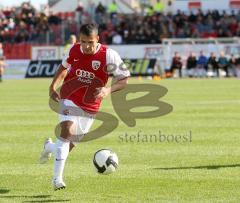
{"x": 54, "y": 95}
{"x": 102, "y": 92}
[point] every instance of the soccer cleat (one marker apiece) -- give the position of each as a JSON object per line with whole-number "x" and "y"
{"x": 58, "y": 184}
{"x": 45, "y": 155}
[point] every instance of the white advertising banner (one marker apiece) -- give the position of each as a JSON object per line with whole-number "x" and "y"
{"x": 45, "y": 53}
{"x": 139, "y": 51}
{"x": 131, "y": 51}
{"x": 16, "y": 69}
{"x": 220, "y": 5}
{"x": 163, "y": 53}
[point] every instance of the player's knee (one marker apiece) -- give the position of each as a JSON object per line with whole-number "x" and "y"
{"x": 67, "y": 129}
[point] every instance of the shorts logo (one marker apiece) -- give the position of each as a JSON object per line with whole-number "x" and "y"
{"x": 66, "y": 112}
{"x": 96, "y": 65}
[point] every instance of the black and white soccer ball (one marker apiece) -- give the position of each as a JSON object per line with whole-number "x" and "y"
{"x": 105, "y": 161}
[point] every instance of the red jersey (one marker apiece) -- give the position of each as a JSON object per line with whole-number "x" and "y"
{"x": 86, "y": 72}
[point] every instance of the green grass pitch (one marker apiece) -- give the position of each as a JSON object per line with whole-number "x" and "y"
{"x": 203, "y": 169}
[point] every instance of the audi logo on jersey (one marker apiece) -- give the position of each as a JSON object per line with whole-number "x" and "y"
{"x": 84, "y": 76}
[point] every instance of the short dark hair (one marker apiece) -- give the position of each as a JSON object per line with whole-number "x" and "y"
{"x": 89, "y": 29}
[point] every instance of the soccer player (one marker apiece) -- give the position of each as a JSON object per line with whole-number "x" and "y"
{"x": 2, "y": 63}
{"x": 84, "y": 76}
{"x": 2, "y": 66}
{"x": 72, "y": 40}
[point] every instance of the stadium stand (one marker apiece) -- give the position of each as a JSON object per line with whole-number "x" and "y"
{"x": 26, "y": 24}
{"x": 23, "y": 27}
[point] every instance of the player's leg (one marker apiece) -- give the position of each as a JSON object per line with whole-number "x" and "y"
{"x": 226, "y": 70}
{"x": 49, "y": 146}
{"x": 49, "y": 149}
{"x": 71, "y": 146}
{"x": 69, "y": 130}
{"x": 62, "y": 148}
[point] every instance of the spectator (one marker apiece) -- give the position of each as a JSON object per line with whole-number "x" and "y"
{"x": 233, "y": 26}
{"x": 11, "y": 24}
{"x": 91, "y": 8}
{"x": 113, "y": 9}
{"x": 79, "y": 12}
{"x": 238, "y": 16}
{"x": 2, "y": 67}
{"x": 233, "y": 64}
{"x": 191, "y": 64}
{"x": 25, "y": 24}
{"x": 158, "y": 7}
{"x": 100, "y": 9}
{"x": 117, "y": 38}
{"x": 22, "y": 34}
{"x": 212, "y": 64}
{"x": 223, "y": 63}
{"x": 238, "y": 68}
{"x": 72, "y": 40}
{"x": 176, "y": 64}
{"x": 169, "y": 8}
{"x": 1, "y": 50}
{"x": 201, "y": 65}
{"x": 53, "y": 19}
{"x": 150, "y": 11}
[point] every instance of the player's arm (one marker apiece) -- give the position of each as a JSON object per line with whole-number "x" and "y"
{"x": 60, "y": 75}
{"x": 116, "y": 86}
{"x": 119, "y": 84}
{"x": 57, "y": 80}
{"x": 120, "y": 75}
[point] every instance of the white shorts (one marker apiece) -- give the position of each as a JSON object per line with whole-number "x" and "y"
{"x": 81, "y": 119}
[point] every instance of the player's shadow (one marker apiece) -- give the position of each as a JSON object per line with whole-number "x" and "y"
{"x": 4, "y": 191}
{"x": 49, "y": 200}
{"x": 38, "y": 198}
{"x": 25, "y": 196}
{"x": 210, "y": 167}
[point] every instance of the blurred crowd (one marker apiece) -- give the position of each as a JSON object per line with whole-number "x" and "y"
{"x": 206, "y": 66}
{"x": 21, "y": 24}
{"x": 26, "y": 24}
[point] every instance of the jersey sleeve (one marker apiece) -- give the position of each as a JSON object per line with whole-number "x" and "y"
{"x": 68, "y": 58}
{"x": 115, "y": 65}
